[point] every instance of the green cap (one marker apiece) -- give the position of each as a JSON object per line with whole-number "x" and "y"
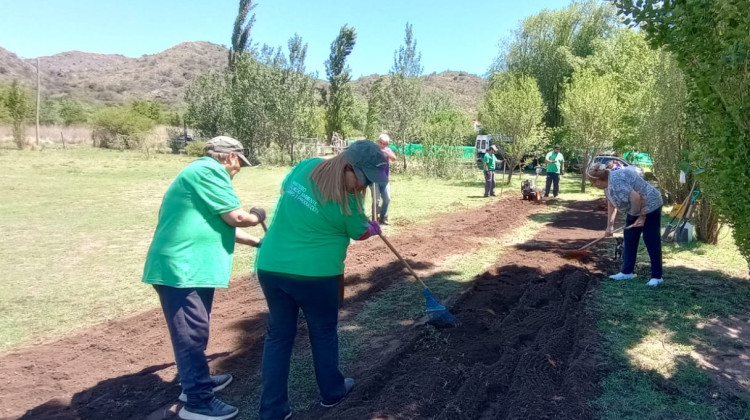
{"x": 226, "y": 144}
{"x": 369, "y": 162}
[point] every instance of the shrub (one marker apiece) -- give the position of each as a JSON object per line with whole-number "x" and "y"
{"x": 195, "y": 148}
{"x": 278, "y": 155}
{"x": 120, "y": 128}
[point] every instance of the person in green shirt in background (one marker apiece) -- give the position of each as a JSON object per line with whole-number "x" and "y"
{"x": 301, "y": 266}
{"x": 190, "y": 256}
{"x": 490, "y": 162}
{"x": 555, "y": 167}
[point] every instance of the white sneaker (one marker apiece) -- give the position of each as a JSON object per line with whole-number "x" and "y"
{"x": 654, "y": 282}
{"x": 620, "y": 276}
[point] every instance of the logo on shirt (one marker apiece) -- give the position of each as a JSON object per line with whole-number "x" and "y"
{"x": 299, "y": 193}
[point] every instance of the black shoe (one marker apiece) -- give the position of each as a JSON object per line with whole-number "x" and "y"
{"x": 213, "y": 409}
{"x": 349, "y": 384}
{"x": 486, "y": 196}
{"x": 383, "y": 221}
{"x": 219, "y": 381}
{"x": 493, "y": 195}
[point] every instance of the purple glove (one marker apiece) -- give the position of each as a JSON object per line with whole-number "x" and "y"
{"x": 374, "y": 228}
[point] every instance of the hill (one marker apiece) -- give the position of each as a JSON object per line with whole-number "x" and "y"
{"x": 112, "y": 79}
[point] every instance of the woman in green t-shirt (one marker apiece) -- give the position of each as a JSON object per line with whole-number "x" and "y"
{"x": 301, "y": 266}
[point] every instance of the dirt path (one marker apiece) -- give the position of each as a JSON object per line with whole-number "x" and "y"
{"x": 124, "y": 369}
{"x": 526, "y": 349}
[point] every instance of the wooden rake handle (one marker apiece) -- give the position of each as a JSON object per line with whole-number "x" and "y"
{"x": 408, "y": 267}
{"x": 602, "y": 238}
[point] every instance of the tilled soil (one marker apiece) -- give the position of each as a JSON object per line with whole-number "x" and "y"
{"x": 526, "y": 347}
{"x": 125, "y": 369}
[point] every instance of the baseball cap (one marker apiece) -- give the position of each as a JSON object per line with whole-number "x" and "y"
{"x": 369, "y": 162}
{"x": 226, "y": 144}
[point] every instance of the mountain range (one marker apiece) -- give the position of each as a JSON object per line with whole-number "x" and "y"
{"x": 109, "y": 79}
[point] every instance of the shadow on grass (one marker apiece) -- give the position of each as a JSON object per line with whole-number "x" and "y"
{"x": 147, "y": 394}
{"x": 676, "y": 351}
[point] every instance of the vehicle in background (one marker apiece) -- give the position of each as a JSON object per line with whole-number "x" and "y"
{"x": 483, "y": 143}
{"x": 607, "y": 159}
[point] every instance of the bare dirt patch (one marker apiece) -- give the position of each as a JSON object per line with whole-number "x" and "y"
{"x": 526, "y": 349}
{"x": 125, "y": 369}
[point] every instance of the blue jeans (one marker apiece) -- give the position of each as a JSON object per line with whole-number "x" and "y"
{"x": 385, "y": 196}
{"x": 319, "y": 300}
{"x": 651, "y": 237}
{"x": 188, "y": 313}
{"x": 552, "y": 178}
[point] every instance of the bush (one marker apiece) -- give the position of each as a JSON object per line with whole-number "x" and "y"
{"x": 120, "y": 128}
{"x": 277, "y": 155}
{"x": 195, "y": 148}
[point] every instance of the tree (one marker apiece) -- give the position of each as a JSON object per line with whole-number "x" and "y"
{"x": 591, "y": 114}
{"x": 627, "y": 57}
{"x": 208, "y": 104}
{"x": 442, "y": 130}
{"x": 241, "y": 32}
{"x": 149, "y": 109}
{"x": 664, "y": 134}
{"x": 376, "y": 102}
{"x": 548, "y": 45}
{"x": 18, "y": 105}
{"x": 338, "y": 97}
{"x": 72, "y": 112}
{"x": 710, "y": 42}
{"x": 513, "y": 108}
{"x": 404, "y": 91}
{"x": 296, "y": 115}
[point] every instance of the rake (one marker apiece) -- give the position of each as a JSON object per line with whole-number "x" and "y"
{"x": 437, "y": 315}
{"x": 577, "y": 254}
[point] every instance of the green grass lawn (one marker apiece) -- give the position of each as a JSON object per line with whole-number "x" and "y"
{"x": 656, "y": 348}
{"x": 77, "y": 224}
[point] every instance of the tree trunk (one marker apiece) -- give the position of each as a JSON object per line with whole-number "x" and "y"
{"x": 584, "y": 171}
{"x": 706, "y": 222}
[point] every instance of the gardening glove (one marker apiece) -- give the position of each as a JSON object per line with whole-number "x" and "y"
{"x": 259, "y": 213}
{"x": 373, "y": 228}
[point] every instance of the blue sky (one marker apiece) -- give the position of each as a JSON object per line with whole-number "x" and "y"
{"x": 451, "y": 35}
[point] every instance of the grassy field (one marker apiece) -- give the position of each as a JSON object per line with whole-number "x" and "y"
{"x": 77, "y": 224}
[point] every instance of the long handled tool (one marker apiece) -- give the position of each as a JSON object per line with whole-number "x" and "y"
{"x": 680, "y": 235}
{"x": 581, "y": 252}
{"x": 670, "y": 227}
{"x": 438, "y": 316}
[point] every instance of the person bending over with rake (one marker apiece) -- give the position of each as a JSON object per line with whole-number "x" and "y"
{"x": 301, "y": 266}
{"x": 641, "y": 202}
{"x": 190, "y": 256}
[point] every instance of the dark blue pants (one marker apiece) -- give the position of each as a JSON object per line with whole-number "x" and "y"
{"x": 651, "y": 237}
{"x": 319, "y": 300}
{"x": 552, "y": 178}
{"x": 188, "y": 313}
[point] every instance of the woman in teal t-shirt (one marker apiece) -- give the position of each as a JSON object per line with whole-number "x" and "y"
{"x": 301, "y": 263}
